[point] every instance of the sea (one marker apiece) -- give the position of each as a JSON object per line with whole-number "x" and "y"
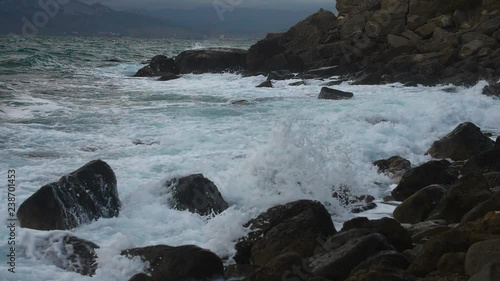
{"x": 65, "y": 101}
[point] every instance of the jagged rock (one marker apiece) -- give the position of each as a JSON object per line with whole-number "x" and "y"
{"x": 337, "y": 264}
{"x": 397, "y": 235}
{"x": 492, "y": 90}
{"x": 395, "y": 166}
{"x": 284, "y": 267}
{"x": 417, "y": 207}
{"x": 482, "y": 253}
{"x": 168, "y": 77}
{"x": 196, "y": 194}
{"x": 158, "y": 66}
{"x": 82, "y": 196}
{"x": 293, "y": 227}
{"x": 211, "y": 60}
{"x": 65, "y": 251}
{"x": 463, "y": 142}
{"x": 146, "y": 71}
{"x": 428, "y": 257}
{"x": 463, "y": 195}
{"x": 181, "y": 263}
{"x": 426, "y": 30}
{"x": 433, "y": 172}
{"x": 265, "y": 84}
{"x": 332, "y": 94}
{"x": 489, "y": 272}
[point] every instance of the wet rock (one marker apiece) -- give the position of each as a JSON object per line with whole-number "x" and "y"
{"x": 211, "y": 60}
{"x": 426, "y": 30}
{"x": 462, "y": 143}
{"x": 482, "y": 253}
{"x": 433, "y": 172}
{"x": 181, "y": 263}
{"x": 394, "y": 166}
{"x": 293, "y": 227}
{"x": 492, "y": 90}
{"x": 298, "y": 83}
{"x": 265, "y": 84}
{"x": 417, "y": 207}
{"x": 397, "y": 235}
{"x": 428, "y": 257}
{"x": 196, "y": 194}
{"x": 336, "y": 265}
{"x": 146, "y": 71}
{"x": 158, "y": 66}
{"x": 464, "y": 195}
{"x": 284, "y": 267}
{"x": 66, "y": 251}
{"x": 80, "y": 197}
{"x": 332, "y": 94}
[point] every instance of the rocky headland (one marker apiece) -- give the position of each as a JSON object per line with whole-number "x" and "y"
{"x": 369, "y": 42}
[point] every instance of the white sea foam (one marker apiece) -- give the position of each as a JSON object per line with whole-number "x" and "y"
{"x": 283, "y": 144}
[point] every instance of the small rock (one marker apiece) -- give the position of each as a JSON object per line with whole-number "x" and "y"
{"x": 265, "y": 84}
{"x": 483, "y": 163}
{"x": 395, "y": 166}
{"x": 299, "y": 83}
{"x": 492, "y": 90}
{"x": 397, "y": 41}
{"x": 332, "y": 94}
{"x": 168, "y": 77}
{"x": 426, "y": 30}
{"x": 384, "y": 260}
{"x": 490, "y": 26}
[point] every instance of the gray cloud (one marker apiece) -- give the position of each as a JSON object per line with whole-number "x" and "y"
{"x": 274, "y": 4}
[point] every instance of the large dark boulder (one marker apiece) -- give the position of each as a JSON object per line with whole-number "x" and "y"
{"x": 465, "y": 194}
{"x": 490, "y": 205}
{"x": 82, "y": 196}
{"x": 396, "y": 234}
{"x": 196, "y": 194}
{"x": 337, "y": 264}
{"x": 183, "y": 263}
{"x": 294, "y": 227}
{"x": 483, "y": 163}
{"x": 66, "y": 251}
{"x": 287, "y": 266}
{"x": 417, "y": 207}
{"x": 433, "y": 172}
{"x": 332, "y": 94}
{"x": 384, "y": 260}
{"x": 462, "y": 143}
{"x": 211, "y": 60}
{"x": 428, "y": 257}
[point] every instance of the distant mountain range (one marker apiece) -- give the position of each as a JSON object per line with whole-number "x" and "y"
{"x": 27, "y": 17}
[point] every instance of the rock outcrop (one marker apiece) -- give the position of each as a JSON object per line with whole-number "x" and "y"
{"x": 211, "y": 60}
{"x": 82, "y": 196}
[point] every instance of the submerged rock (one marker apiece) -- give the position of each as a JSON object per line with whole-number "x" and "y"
{"x": 462, "y": 143}
{"x": 332, "y": 94}
{"x": 196, "y": 194}
{"x": 265, "y": 84}
{"x": 82, "y": 196}
{"x": 211, "y": 60}
{"x": 183, "y": 263}
{"x": 294, "y": 227}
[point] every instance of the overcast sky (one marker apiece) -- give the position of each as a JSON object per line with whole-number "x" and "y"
{"x": 274, "y": 4}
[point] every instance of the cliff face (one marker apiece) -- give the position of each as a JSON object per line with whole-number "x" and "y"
{"x": 377, "y": 41}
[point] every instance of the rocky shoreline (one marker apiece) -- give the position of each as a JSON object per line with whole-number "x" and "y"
{"x": 370, "y": 42}
{"x": 446, "y": 228}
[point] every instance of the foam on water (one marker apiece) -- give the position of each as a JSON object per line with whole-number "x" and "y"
{"x": 281, "y": 145}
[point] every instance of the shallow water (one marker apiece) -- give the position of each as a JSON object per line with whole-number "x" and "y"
{"x": 62, "y": 105}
